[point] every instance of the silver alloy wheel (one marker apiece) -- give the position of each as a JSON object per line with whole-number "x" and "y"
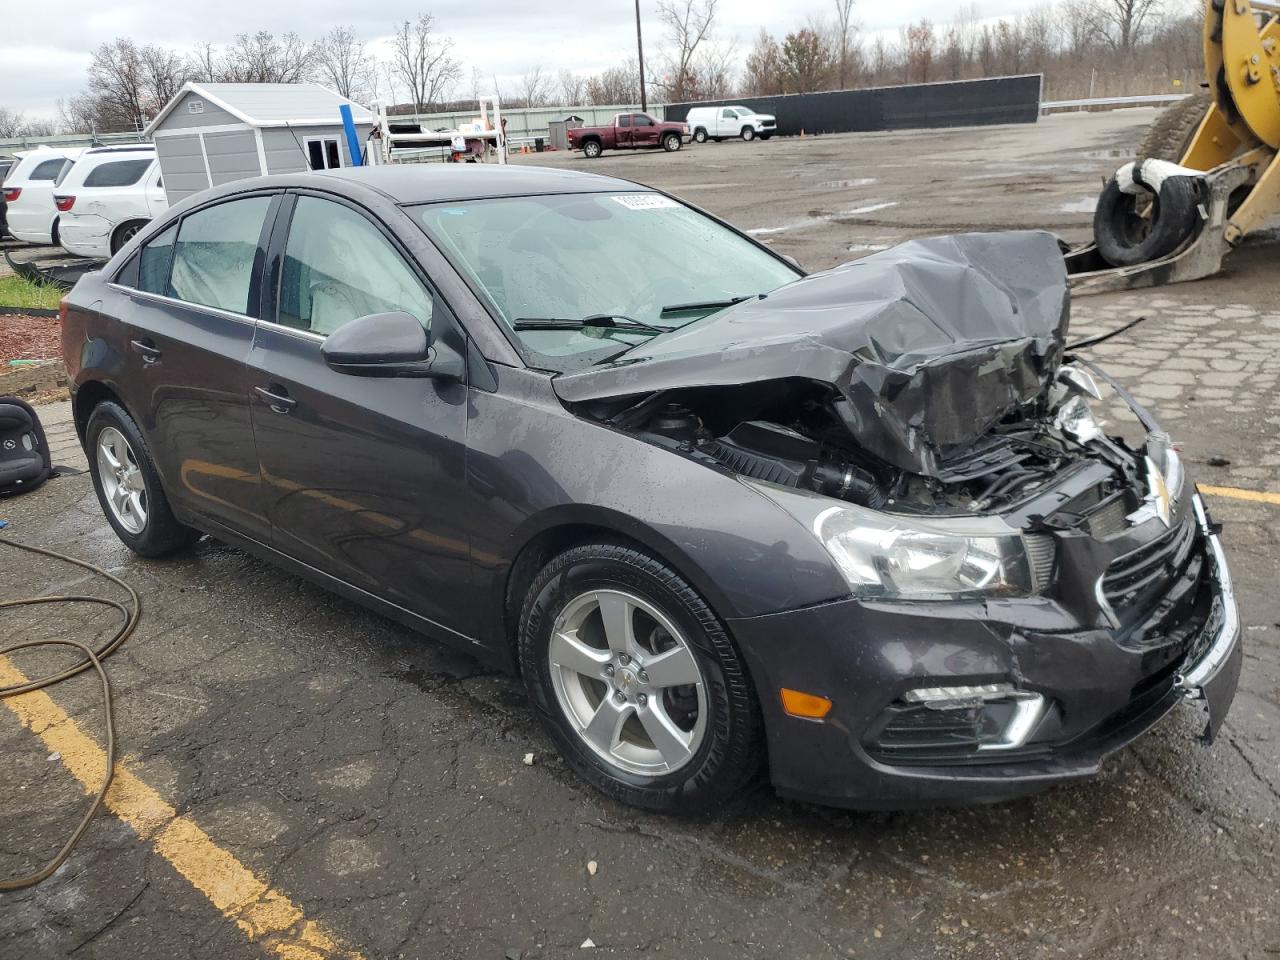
{"x": 122, "y": 480}
{"x": 628, "y": 683}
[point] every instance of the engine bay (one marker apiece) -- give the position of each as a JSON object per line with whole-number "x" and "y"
{"x": 797, "y": 434}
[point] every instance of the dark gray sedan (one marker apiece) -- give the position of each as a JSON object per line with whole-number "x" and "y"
{"x": 858, "y": 527}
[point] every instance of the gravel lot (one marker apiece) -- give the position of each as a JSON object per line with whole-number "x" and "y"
{"x": 378, "y": 782}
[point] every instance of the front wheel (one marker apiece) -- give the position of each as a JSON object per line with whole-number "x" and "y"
{"x": 637, "y": 682}
{"x": 748, "y": 133}
{"x": 700, "y": 136}
{"x": 128, "y": 487}
{"x": 671, "y": 142}
{"x": 592, "y": 149}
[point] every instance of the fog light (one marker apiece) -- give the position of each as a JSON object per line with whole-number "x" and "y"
{"x": 949, "y": 723}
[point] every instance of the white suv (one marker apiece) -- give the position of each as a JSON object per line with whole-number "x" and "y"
{"x": 108, "y": 196}
{"x": 28, "y": 192}
{"x": 718, "y": 123}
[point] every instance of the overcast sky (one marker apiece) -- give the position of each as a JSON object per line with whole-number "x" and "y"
{"x": 44, "y": 49}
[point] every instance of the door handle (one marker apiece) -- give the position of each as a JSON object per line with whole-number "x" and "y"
{"x": 276, "y": 397}
{"x": 150, "y": 354}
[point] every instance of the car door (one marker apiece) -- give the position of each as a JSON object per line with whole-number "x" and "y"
{"x": 364, "y": 476}
{"x": 727, "y": 123}
{"x": 645, "y": 131}
{"x": 622, "y": 132}
{"x": 187, "y": 334}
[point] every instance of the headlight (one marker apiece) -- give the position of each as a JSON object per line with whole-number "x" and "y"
{"x": 894, "y": 555}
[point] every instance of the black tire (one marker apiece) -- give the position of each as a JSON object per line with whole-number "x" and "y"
{"x": 718, "y": 139}
{"x": 700, "y": 135}
{"x": 53, "y": 234}
{"x": 124, "y": 233}
{"x": 1170, "y": 136}
{"x": 765, "y": 136}
{"x": 730, "y": 752}
{"x": 592, "y": 149}
{"x": 671, "y": 142}
{"x": 1125, "y": 237}
{"x": 748, "y": 133}
{"x": 162, "y": 534}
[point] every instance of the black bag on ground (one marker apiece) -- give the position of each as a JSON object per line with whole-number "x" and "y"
{"x": 24, "y": 453}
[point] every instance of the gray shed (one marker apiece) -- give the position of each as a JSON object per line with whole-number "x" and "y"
{"x": 212, "y": 133}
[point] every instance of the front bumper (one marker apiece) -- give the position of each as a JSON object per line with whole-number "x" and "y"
{"x": 865, "y": 654}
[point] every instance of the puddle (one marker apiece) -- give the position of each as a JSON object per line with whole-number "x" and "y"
{"x": 843, "y": 184}
{"x": 1109, "y": 154}
{"x": 867, "y": 247}
{"x": 1087, "y": 205}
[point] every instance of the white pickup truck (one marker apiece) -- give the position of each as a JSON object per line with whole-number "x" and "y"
{"x": 720, "y": 123}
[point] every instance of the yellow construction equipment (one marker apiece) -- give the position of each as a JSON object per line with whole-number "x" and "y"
{"x": 1208, "y": 173}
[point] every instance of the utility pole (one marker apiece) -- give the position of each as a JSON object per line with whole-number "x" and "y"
{"x": 644, "y": 101}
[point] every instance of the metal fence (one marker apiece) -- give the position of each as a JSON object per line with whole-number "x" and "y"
{"x": 13, "y": 144}
{"x": 1107, "y": 103}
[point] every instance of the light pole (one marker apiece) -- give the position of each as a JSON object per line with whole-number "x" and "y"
{"x": 644, "y": 101}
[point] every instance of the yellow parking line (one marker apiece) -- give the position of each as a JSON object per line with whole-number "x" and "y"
{"x": 265, "y": 915}
{"x": 1235, "y": 493}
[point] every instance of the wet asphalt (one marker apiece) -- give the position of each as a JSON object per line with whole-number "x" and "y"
{"x": 380, "y": 782}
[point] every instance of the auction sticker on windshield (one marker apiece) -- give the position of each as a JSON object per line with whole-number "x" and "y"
{"x": 644, "y": 201}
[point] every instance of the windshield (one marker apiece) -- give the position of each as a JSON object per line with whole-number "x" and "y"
{"x": 572, "y": 256}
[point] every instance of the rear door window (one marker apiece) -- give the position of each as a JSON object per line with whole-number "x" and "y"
{"x": 48, "y": 169}
{"x": 118, "y": 173}
{"x": 153, "y": 263}
{"x": 215, "y": 256}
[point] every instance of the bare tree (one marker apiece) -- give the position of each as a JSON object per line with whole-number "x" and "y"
{"x": 163, "y": 74}
{"x": 764, "y": 73}
{"x": 806, "y": 61}
{"x": 919, "y": 46}
{"x": 422, "y": 60}
{"x": 844, "y": 24}
{"x": 572, "y": 88}
{"x": 263, "y": 57}
{"x": 339, "y": 62}
{"x": 688, "y": 24}
{"x": 203, "y": 63}
{"x": 536, "y": 87}
{"x": 1124, "y": 22}
{"x": 12, "y": 123}
{"x": 616, "y": 85}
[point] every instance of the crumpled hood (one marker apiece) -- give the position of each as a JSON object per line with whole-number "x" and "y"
{"x": 929, "y": 344}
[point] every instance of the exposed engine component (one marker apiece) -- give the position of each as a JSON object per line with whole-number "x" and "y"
{"x": 676, "y": 422}
{"x": 766, "y": 451}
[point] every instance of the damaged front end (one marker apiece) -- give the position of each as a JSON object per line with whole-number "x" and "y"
{"x": 914, "y": 411}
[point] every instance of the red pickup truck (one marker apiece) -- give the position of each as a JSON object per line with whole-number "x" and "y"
{"x": 629, "y": 131}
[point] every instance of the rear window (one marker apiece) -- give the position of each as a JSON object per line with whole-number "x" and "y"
{"x": 48, "y": 169}
{"x": 119, "y": 173}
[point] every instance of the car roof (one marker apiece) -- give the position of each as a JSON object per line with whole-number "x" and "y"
{"x": 423, "y": 183}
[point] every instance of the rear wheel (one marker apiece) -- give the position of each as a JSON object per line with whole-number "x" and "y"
{"x": 700, "y": 136}
{"x": 124, "y": 233}
{"x": 637, "y": 681}
{"x": 748, "y": 133}
{"x": 671, "y": 142}
{"x": 128, "y": 487}
{"x": 592, "y": 149}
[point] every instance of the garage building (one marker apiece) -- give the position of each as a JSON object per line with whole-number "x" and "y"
{"x": 212, "y": 133}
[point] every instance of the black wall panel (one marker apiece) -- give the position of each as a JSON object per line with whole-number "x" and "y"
{"x": 965, "y": 103}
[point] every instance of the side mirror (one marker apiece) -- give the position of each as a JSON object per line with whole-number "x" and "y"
{"x": 389, "y": 345}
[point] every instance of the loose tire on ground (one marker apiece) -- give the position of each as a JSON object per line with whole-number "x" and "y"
{"x": 160, "y": 533}
{"x": 727, "y": 752}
